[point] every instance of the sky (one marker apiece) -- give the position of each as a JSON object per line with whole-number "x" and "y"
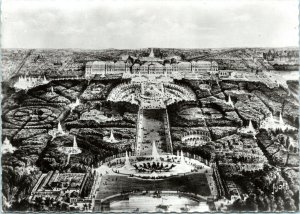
{"x": 133, "y": 24}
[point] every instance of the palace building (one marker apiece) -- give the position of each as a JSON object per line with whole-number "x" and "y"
{"x": 150, "y": 65}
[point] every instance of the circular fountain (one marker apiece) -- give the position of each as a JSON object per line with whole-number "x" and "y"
{"x": 157, "y": 166}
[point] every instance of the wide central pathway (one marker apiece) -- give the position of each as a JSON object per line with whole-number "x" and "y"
{"x": 152, "y": 130}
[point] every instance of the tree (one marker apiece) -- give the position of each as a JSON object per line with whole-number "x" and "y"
{"x": 251, "y": 204}
{"x": 295, "y": 150}
{"x": 280, "y": 204}
{"x": 58, "y": 206}
{"x": 291, "y": 148}
{"x": 267, "y": 203}
{"x": 290, "y": 204}
{"x": 23, "y": 205}
{"x": 288, "y": 142}
{"x": 296, "y": 199}
{"x": 65, "y": 207}
{"x": 273, "y": 205}
{"x": 38, "y": 203}
{"x": 47, "y": 201}
{"x": 261, "y": 203}
{"x": 238, "y": 205}
{"x": 85, "y": 207}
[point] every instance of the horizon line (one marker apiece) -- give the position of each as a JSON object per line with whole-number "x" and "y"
{"x": 150, "y": 47}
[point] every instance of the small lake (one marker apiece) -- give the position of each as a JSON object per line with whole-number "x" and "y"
{"x": 149, "y": 204}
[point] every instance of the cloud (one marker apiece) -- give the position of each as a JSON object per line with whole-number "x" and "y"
{"x": 138, "y": 23}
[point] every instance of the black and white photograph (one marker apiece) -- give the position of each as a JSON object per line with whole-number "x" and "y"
{"x": 135, "y": 106}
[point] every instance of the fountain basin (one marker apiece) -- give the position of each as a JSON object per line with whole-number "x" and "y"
{"x": 158, "y": 169}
